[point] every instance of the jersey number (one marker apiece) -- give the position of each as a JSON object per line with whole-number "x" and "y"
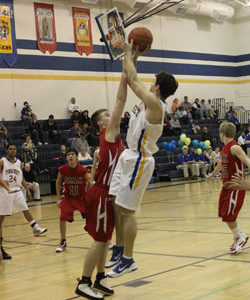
{"x": 12, "y": 178}
{"x": 224, "y": 171}
{"x": 73, "y": 190}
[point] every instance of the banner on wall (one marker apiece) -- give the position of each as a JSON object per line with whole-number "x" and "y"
{"x": 82, "y": 30}
{"x": 45, "y": 27}
{"x": 8, "y": 49}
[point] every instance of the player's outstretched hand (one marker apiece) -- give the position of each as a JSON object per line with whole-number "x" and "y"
{"x": 141, "y": 53}
{"x": 126, "y": 47}
{"x": 236, "y": 183}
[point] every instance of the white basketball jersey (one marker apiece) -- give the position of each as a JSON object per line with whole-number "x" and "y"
{"x": 143, "y": 136}
{"x": 12, "y": 172}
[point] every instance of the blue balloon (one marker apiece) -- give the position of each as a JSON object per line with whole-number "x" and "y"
{"x": 173, "y": 142}
{"x": 173, "y": 148}
{"x": 201, "y": 145}
{"x": 205, "y": 147}
{"x": 180, "y": 144}
{"x": 195, "y": 143}
{"x": 192, "y": 149}
{"x": 165, "y": 145}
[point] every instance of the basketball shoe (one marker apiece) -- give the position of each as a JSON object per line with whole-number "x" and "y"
{"x": 124, "y": 266}
{"x": 117, "y": 253}
{"x": 4, "y": 254}
{"x": 101, "y": 285}
{"x": 37, "y": 230}
{"x": 86, "y": 290}
{"x": 62, "y": 246}
{"x": 238, "y": 244}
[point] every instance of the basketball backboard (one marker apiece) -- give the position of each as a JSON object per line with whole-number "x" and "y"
{"x": 111, "y": 28}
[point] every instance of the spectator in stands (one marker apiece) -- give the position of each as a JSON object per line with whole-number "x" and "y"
{"x": 234, "y": 119}
{"x": 73, "y": 106}
{"x": 211, "y": 109}
{"x": 62, "y": 155}
{"x": 216, "y": 158}
{"x": 228, "y": 113}
{"x": 182, "y": 115}
{"x": 31, "y": 181}
{"x": 26, "y": 113}
{"x": 186, "y": 104}
{"x": 205, "y": 160}
{"x": 36, "y": 133}
{"x": 247, "y": 142}
{"x": 204, "y": 110}
{"x": 74, "y": 132}
{"x": 241, "y": 141}
{"x": 175, "y": 105}
{"x": 185, "y": 162}
{"x": 4, "y": 139}
{"x": 125, "y": 121}
{"x": 86, "y": 118}
{"x": 175, "y": 125}
{"x": 76, "y": 117}
{"x": 194, "y": 126}
{"x": 205, "y": 135}
{"x": 80, "y": 142}
{"x": 196, "y": 109}
{"x": 51, "y": 128}
{"x": 198, "y": 163}
{"x": 83, "y": 154}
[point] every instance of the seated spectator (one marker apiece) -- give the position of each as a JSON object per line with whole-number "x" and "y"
{"x": 196, "y": 109}
{"x": 30, "y": 179}
{"x": 199, "y": 165}
{"x": 205, "y": 135}
{"x": 29, "y": 155}
{"x": 228, "y": 113}
{"x": 185, "y": 162}
{"x": 186, "y": 104}
{"x": 80, "y": 142}
{"x": 175, "y": 125}
{"x": 73, "y": 106}
{"x": 76, "y": 117}
{"x": 175, "y": 105}
{"x": 204, "y": 110}
{"x": 182, "y": 115}
{"x": 4, "y": 139}
{"x": 83, "y": 154}
{"x": 37, "y": 134}
{"x": 125, "y": 121}
{"x": 26, "y": 114}
{"x": 205, "y": 160}
{"x": 74, "y": 132}
{"x": 194, "y": 126}
{"x": 51, "y": 128}
{"x": 234, "y": 119}
{"x": 86, "y": 118}
{"x": 241, "y": 141}
{"x": 62, "y": 155}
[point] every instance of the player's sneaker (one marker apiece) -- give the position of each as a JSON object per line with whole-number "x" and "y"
{"x": 37, "y": 230}
{"x": 117, "y": 253}
{"x": 61, "y": 247}
{"x": 239, "y": 243}
{"x": 124, "y": 266}
{"x": 111, "y": 246}
{"x": 101, "y": 285}
{"x": 86, "y": 290}
{"x": 4, "y": 254}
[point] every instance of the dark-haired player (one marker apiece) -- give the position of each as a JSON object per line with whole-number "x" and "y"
{"x": 74, "y": 178}
{"x": 11, "y": 170}
{"x": 136, "y": 164}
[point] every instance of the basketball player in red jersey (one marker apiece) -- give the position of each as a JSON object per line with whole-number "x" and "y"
{"x": 74, "y": 178}
{"x": 99, "y": 211}
{"x": 231, "y": 163}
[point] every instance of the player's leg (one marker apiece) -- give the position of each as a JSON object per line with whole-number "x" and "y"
{"x": 3, "y": 253}
{"x": 36, "y": 189}
{"x": 62, "y": 245}
{"x": 37, "y": 230}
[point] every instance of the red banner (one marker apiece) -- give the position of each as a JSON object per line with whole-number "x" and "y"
{"x": 45, "y": 27}
{"x": 82, "y": 30}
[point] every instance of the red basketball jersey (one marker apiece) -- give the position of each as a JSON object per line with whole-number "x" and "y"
{"x": 230, "y": 164}
{"x": 74, "y": 181}
{"x": 109, "y": 154}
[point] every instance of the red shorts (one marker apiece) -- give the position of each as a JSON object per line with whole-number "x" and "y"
{"x": 99, "y": 214}
{"x": 69, "y": 205}
{"x": 230, "y": 204}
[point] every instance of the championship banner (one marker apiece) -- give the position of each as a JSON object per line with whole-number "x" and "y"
{"x": 8, "y": 49}
{"x": 45, "y": 27}
{"x": 82, "y": 30}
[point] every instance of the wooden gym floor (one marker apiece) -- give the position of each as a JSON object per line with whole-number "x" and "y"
{"x": 181, "y": 251}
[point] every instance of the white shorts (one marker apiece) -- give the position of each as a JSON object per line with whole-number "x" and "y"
{"x": 12, "y": 203}
{"x": 130, "y": 179}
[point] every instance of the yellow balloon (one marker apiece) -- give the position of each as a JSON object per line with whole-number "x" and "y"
{"x": 199, "y": 151}
{"x": 207, "y": 143}
{"x": 188, "y": 141}
{"x": 183, "y": 137}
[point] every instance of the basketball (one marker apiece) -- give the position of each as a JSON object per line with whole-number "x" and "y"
{"x": 141, "y": 37}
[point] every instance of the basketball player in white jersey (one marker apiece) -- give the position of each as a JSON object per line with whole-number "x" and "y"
{"x": 11, "y": 172}
{"x": 136, "y": 164}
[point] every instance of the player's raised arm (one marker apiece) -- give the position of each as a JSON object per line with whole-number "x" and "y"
{"x": 58, "y": 188}
{"x": 113, "y": 128}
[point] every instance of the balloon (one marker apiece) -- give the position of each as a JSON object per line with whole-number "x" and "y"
{"x": 180, "y": 144}
{"x": 205, "y": 147}
{"x": 173, "y": 142}
{"x": 172, "y": 147}
{"x": 201, "y": 145}
{"x": 207, "y": 143}
{"x": 195, "y": 143}
{"x": 183, "y": 137}
{"x": 188, "y": 141}
{"x": 192, "y": 149}
{"x": 165, "y": 145}
{"x": 199, "y": 151}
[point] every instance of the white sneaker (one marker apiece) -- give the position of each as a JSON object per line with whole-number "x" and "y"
{"x": 239, "y": 243}
{"x": 40, "y": 144}
{"x": 85, "y": 290}
{"x": 61, "y": 247}
{"x": 38, "y": 230}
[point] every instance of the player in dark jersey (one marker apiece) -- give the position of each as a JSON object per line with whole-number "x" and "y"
{"x": 231, "y": 163}
{"x": 74, "y": 178}
{"x": 99, "y": 211}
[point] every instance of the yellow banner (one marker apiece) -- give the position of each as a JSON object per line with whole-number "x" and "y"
{"x": 5, "y": 30}
{"x": 82, "y": 29}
